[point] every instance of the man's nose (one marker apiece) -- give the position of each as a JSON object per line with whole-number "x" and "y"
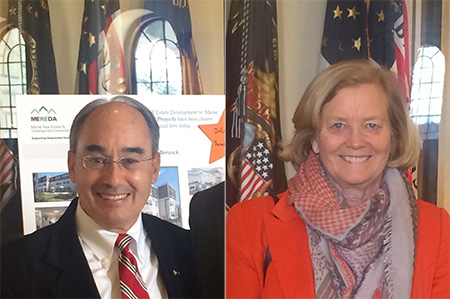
{"x": 113, "y": 175}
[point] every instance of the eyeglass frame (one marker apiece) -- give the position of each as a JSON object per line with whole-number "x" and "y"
{"x": 118, "y": 162}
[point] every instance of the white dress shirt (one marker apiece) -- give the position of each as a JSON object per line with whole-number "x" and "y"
{"x": 102, "y": 256}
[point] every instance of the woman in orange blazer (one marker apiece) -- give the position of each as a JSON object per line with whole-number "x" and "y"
{"x": 349, "y": 225}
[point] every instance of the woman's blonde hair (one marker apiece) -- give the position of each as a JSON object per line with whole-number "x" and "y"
{"x": 405, "y": 146}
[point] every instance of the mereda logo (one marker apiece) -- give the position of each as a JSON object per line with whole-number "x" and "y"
{"x": 43, "y": 114}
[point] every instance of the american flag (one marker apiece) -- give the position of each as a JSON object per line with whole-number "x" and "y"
{"x": 257, "y": 169}
{"x": 6, "y": 163}
{"x": 101, "y": 68}
{"x": 368, "y": 29}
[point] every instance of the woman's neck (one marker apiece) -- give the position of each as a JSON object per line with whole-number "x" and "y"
{"x": 355, "y": 195}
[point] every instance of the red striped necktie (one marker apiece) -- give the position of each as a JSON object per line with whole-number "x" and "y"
{"x": 131, "y": 283}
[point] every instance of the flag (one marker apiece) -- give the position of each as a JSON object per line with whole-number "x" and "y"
{"x": 7, "y": 173}
{"x": 33, "y": 18}
{"x": 253, "y": 126}
{"x": 101, "y": 67}
{"x": 177, "y": 13}
{"x": 375, "y": 30}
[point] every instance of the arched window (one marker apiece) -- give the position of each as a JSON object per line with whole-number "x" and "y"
{"x": 427, "y": 90}
{"x": 13, "y": 79}
{"x": 156, "y": 63}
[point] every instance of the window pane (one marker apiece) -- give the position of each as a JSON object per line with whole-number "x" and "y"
{"x": 158, "y": 62}
{"x": 160, "y": 88}
{"x": 170, "y": 34}
{"x": 154, "y": 31}
{"x": 143, "y": 88}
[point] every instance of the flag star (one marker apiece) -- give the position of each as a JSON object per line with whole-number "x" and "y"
{"x": 44, "y": 5}
{"x": 270, "y": 165}
{"x": 396, "y": 6}
{"x": 266, "y": 160}
{"x": 265, "y": 167}
{"x": 258, "y": 161}
{"x": 264, "y": 174}
{"x": 352, "y": 13}
{"x": 259, "y": 154}
{"x": 380, "y": 16}
{"x": 83, "y": 68}
{"x": 12, "y": 11}
{"x": 91, "y": 39}
{"x": 266, "y": 151}
{"x": 258, "y": 168}
{"x": 29, "y": 8}
{"x": 337, "y": 13}
{"x": 325, "y": 42}
{"x": 260, "y": 145}
{"x": 249, "y": 156}
{"x": 357, "y": 43}
{"x": 254, "y": 148}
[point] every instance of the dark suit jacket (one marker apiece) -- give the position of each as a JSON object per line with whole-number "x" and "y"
{"x": 206, "y": 219}
{"x": 50, "y": 263}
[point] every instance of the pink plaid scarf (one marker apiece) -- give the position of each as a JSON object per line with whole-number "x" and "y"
{"x": 317, "y": 204}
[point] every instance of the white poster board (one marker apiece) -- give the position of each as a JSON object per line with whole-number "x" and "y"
{"x": 192, "y": 148}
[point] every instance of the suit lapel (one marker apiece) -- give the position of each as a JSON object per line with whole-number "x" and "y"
{"x": 65, "y": 254}
{"x": 165, "y": 248}
{"x": 289, "y": 247}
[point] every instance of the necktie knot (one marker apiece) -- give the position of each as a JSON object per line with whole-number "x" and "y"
{"x": 123, "y": 242}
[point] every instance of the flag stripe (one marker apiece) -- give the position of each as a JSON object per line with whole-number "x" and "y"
{"x": 7, "y": 164}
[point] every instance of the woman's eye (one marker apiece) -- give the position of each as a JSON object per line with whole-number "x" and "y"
{"x": 338, "y": 126}
{"x": 372, "y": 126}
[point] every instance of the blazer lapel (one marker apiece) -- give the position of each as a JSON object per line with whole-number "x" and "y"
{"x": 289, "y": 247}
{"x": 64, "y": 253}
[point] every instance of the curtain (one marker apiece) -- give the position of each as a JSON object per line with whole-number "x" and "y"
{"x": 443, "y": 198}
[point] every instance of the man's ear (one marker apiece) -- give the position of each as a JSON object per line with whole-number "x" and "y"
{"x": 156, "y": 165}
{"x": 71, "y": 166}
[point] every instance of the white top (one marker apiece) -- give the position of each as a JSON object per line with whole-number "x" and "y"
{"x": 103, "y": 257}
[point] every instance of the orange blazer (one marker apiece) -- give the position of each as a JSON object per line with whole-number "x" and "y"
{"x": 258, "y": 223}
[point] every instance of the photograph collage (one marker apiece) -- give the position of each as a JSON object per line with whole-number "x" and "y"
{"x": 225, "y": 149}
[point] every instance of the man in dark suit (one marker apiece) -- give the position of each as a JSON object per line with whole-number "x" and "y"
{"x": 206, "y": 219}
{"x": 114, "y": 160}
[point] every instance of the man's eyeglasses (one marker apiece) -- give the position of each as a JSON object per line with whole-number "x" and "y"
{"x": 100, "y": 162}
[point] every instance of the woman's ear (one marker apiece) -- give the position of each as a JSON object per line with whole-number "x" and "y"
{"x": 315, "y": 145}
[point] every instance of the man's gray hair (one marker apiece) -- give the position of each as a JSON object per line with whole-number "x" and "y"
{"x": 89, "y": 108}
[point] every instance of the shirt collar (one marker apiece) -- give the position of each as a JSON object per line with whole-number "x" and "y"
{"x": 102, "y": 242}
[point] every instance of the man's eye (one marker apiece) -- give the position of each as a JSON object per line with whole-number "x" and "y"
{"x": 372, "y": 126}
{"x": 99, "y": 160}
{"x": 129, "y": 161}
